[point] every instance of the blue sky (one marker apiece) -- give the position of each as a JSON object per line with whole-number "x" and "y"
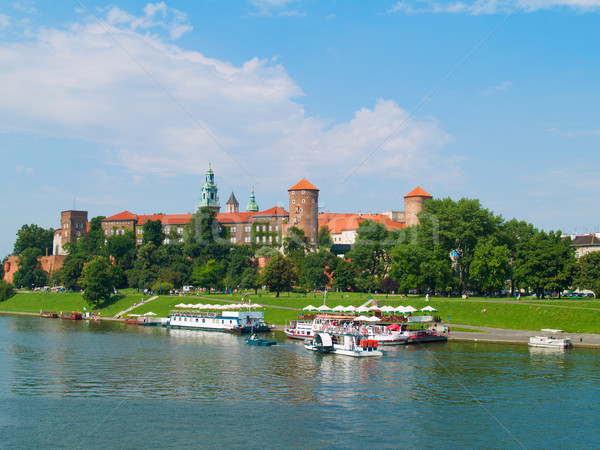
{"x": 113, "y": 106}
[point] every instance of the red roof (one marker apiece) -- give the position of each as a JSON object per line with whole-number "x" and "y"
{"x": 418, "y": 192}
{"x": 125, "y": 215}
{"x": 241, "y": 217}
{"x": 303, "y": 184}
{"x": 338, "y": 222}
{"x": 274, "y": 211}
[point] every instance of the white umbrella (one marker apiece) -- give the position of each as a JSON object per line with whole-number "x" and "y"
{"x": 401, "y": 309}
{"x": 180, "y": 305}
{"x": 360, "y": 318}
{"x": 350, "y": 308}
{"x": 362, "y": 309}
{"x": 207, "y": 306}
{"x": 323, "y": 308}
{"x": 150, "y": 313}
{"x": 309, "y": 308}
{"x": 374, "y": 308}
{"x": 429, "y": 308}
{"x": 198, "y": 305}
{"x": 373, "y": 319}
{"x": 339, "y": 308}
{"x": 387, "y": 308}
{"x": 255, "y": 305}
{"x": 410, "y": 309}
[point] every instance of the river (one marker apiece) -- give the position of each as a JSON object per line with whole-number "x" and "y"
{"x": 98, "y": 385}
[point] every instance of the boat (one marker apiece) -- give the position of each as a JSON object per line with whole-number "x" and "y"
{"x": 383, "y": 334}
{"x": 71, "y": 315}
{"x": 343, "y": 344}
{"x": 49, "y": 314}
{"x": 425, "y": 335}
{"x": 550, "y": 341}
{"x": 241, "y": 322}
{"x": 255, "y": 340}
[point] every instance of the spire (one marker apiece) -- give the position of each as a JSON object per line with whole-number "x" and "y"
{"x": 252, "y": 206}
{"x": 232, "y": 205}
{"x": 209, "y": 197}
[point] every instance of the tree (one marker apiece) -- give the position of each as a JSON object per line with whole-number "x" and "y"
{"x": 296, "y": 243}
{"x": 153, "y": 232}
{"x": 203, "y": 228}
{"x": 122, "y": 248}
{"x": 370, "y": 254}
{"x": 588, "y": 273}
{"x": 344, "y": 275}
{"x": 491, "y": 266}
{"x": 250, "y": 279}
{"x": 7, "y": 290}
{"x": 388, "y": 284}
{"x": 30, "y": 273}
{"x": 279, "y": 274}
{"x": 313, "y": 271}
{"x": 33, "y": 236}
{"x": 324, "y": 237}
{"x": 151, "y": 259}
{"x": 266, "y": 252}
{"x": 71, "y": 273}
{"x": 95, "y": 235}
{"x": 209, "y": 275}
{"x": 514, "y": 234}
{"x": 97, "y": 280}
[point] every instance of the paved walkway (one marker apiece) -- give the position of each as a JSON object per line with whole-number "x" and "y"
{"x": 122, "y": 313}
{"x": 516, "y": 336}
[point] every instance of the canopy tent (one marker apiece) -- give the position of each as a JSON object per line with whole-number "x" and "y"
{"x": 401, "y": 309}
{"x": 374, "y": 308}
{"x": 323, "y": 308}
{"x": 309, "y": 308}
{"x": 362, "y": 309}
{"x": 360, "y": 318}
{"x": 429, "y": 309}
{"x": 338, "y": 308}
{"x": 180, "y": 305}
{"x": 387, "y": 308}
{"x": 150, "y": 313}
{"x": 350, "y": 308}
{"x": 373, "y": 319}
{"x": 255, "y": 305}
{"x": 410, "y": 309}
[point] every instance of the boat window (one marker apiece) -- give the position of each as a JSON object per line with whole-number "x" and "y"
{"x": 196, "y": 320}
{"x": 203, "y": 320}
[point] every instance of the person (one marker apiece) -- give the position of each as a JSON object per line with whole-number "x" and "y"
{"x": 427, "y": 297}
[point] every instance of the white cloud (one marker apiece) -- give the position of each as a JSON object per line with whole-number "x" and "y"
{"x": 479, "y": 7}
{"x": 502, "y": 87}
{"x": 160, "y": 110}
{"x": 277, "y": 7}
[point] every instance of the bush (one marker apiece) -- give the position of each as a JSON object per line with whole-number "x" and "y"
{"x": 162, "y": 287}
{"x": 7, "y": 290}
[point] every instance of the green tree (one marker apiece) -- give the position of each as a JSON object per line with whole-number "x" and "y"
{"x": 95, "y": 235}
{"x": 97, "y": 281}
{"x": 344, "y": 275}
{"x": 7, "y": 290}
{"x": 491, "y": 266}
{"x": 250, "y": 279}
{"x": 514, "y": 234}
{"x": 388, "y": 285}
{"x": 324, "y": 238}
{"x": 279, "y": 274}
{"x": 588, "y": 273}
{"x": 153, "y": 233}
{"x": 122, "y": 248}
{"x": 371, "y": 254}
{"x": 33, "y": 236}
{"x": 313, "y": 274}
{"x": 71, "y": 273}
{"x": 209, "y": 275}
{"x": 266, "y": 252}
{"x": 203, "y": 228}
{"x": 30, "y": 274}
{"x": 240, "y": 258}
{"x": 151, "y": 260}
{"x": 296, "y": 243}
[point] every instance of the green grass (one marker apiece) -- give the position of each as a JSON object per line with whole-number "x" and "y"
{"x": 573, "y": 316}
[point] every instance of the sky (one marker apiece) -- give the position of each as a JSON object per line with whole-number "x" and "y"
{"x": 114, "y": 106}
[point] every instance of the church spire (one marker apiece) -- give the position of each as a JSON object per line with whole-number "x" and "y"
{"x": 209, "y": 198}
{"x": 252, "y": 206}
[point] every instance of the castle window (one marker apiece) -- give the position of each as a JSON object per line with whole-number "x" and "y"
{"x": 277, "y": 238}
{"x": 293, "y": 201}
{"x": 233, "y": 229}
{"x": 303, "y": 200}
{"x": 276, "y": 227}
{"x": 167, "y": 230}
{"x": 258, "y": 239}
{"x": 264, "y": 228}
{"x": 180, "y": 230}
{"x": 247, "y": 239}
{"x": 105, "y": 232}
{"x": 264, "y": 239}
{"x": 247, "y": 229}
{"x": 303, "y": 192}
{"x": 233, "y": 240}
{"x": 139, "y": 231}
{"x": 270, "y": 227}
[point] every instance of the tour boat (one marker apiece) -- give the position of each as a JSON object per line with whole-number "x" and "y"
{"x": 345, "y": 324}
{"x": 549, "y": 342}
{"x": 71, "y": 315}
{"x": 427, "y": 335}
{"x": 241, "y": 322}
{"x": 343, "y": 344}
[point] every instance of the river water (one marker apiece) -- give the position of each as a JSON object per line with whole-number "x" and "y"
{"x": 105, "y": 385}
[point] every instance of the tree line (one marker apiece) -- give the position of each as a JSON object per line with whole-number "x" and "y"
{"x": 459, "y": 246}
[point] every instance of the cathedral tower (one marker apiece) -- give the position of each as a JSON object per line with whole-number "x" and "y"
{"x": 252, "y": 206}
{"x": 232, "y": 205}
{"x": 209, "y": 198}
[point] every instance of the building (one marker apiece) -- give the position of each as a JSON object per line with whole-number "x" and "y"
{"x": 73, "y": 226}
{"x": 585, "y": 244}
{"x": 304, "y": 209}
{"x": 209, "y": 198}
{"x": 232, "y": 205}
{"x": 413, "y": 205}
{"x": 252, "y": 205}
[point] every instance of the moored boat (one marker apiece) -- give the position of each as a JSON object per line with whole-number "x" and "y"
{"x": 49, "y": 314}
{"x": 71, "y": 315}
{"x": 343, "y": 344}
{"x": 241, "y": 322}
{"x": 549, "y": 342}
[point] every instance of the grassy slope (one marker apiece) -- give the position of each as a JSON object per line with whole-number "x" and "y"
{"x": 571, "y": 316}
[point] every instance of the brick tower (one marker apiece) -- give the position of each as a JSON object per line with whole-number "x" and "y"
{"x": 73, "y": 225}
{"x": 304, "y": 209}
{"x": 413, "y": 205}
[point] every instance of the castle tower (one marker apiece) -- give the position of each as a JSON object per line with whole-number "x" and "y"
{"x": 209, "y": 198}
{"x": 252, "y": 206}
{"x": 413, "y": 205}
{"x": 232, "y": 205}
{"x": 304, "y": 208}
{"x": 73, "y": 225}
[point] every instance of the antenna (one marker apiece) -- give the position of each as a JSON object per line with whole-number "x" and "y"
{"x": 73, "y": 202}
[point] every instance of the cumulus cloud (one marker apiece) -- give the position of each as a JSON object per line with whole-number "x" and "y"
{"x": 478, "y": 7}
{"x": 158, "y": 109}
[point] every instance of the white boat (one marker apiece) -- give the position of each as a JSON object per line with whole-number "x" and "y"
{"x": 241, "y": 322}
{"x": 343, "y": 344}
{"x": 549, "y": 342}
{"x": 347, "y": 325}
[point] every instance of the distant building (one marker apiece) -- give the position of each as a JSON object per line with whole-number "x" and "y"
{"x": 413, "y": 205}
{"x": 73, "y": 226}
{"x": 232, "y": 205}
{"x": 304, "y": 209}
{"x": 252, "y": 205}
{"x": 209, "y": 197}
{"x": 585, "y": 244}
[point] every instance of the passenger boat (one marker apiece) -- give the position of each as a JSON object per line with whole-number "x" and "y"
{"x": 426, "y": 335}
{"x": 49, "y": 314}
{"x": 241, "y": 322}
{"x": 549, "y": 342}
{"x": 343, "y": 344}
{"x": 345, "y": 324}
{"x": 255, "y": 340}
{"x": 71, "y": 315}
